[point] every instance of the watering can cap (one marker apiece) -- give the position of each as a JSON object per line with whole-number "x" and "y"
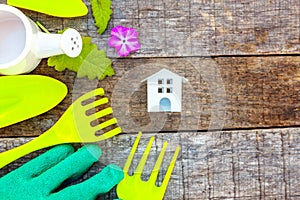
{"x": 71, "y": 43}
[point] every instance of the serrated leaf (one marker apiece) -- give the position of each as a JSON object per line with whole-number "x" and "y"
{"x": 101, "y": 12}
{"x": 91, "y": 62}
{"x": 98, "y": 66}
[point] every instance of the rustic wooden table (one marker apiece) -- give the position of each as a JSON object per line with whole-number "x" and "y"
{"x": 239, "y": 128}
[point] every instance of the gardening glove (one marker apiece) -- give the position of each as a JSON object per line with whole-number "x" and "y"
{"x": 39, "y": 178}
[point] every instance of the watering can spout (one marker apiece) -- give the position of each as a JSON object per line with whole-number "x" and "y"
{"x": 69, "y": 43}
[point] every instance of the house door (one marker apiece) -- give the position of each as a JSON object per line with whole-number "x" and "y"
{"x": 165, "y": 105}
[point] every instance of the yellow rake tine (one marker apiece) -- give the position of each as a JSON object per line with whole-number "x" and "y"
{"x": 144, "y": 158}
{"x": 132, "y": 152}
{"x": 109, "y": 134}
{"x": 101, "y": 113}
{"x": 96, "y": 103}
{"x": 105, "y": 124}
{"x": 93, "y": 93}
{"x": 158, "y": 163}
{"x": 170, "y": 170}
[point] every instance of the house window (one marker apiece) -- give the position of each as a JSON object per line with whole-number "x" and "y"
{"x": 160, "y": 81}
{"x": 169, "y": 81}
{"x": 160, "y": 90}
{"x": 169, "y": 90}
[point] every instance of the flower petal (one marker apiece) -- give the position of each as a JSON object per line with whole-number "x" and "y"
{"x": 133, "y": 46}
{"x": 123, "y": 51}
{"x": 132, "y": 40}
{"x": 118, "y": 32}
{"x": 114, "y": 41}
{"x": 131, "y": 34}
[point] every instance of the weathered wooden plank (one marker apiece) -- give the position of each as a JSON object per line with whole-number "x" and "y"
{"x": 249, "y": 164}
{"x": 197, "y": 28}
{"x": 213, "y": 27}
{"x": 291, "y": 147}
{"x": 222, "y": 93}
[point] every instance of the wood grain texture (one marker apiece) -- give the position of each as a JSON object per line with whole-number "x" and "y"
{"x": 222, "y": 93}
{"x": 197, "y": 28}
{"x": 248, "y": 80}
{"x": 211, "y": 27}
{"x": 257, "y": 164}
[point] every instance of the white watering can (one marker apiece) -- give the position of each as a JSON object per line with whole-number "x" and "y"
{"x": 23, "y": 45}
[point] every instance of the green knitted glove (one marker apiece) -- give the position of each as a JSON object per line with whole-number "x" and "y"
{"x": 39, "y": 178}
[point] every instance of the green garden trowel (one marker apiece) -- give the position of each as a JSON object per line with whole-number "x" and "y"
{"x": 57, "y": 8}
{"x": 26, "y": 96}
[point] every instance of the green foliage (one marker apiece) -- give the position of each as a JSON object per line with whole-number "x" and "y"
{"x": 101, "y": 12}
{"x": 91, "y": 62}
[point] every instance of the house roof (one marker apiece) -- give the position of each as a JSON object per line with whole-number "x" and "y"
{"x": 166, "y": 71}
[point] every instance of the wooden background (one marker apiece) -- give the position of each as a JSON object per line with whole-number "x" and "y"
{"x": 239, "y": 128}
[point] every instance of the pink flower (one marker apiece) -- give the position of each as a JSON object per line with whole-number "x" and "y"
{"x": 125, "y": 40}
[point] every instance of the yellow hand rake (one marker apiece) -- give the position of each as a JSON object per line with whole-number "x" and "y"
{"x": 133, "y": 187}
{"x": 74, "y": 126}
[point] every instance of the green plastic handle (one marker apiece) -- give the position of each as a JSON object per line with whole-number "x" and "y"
{"x": 26, "y": 96}
{"x": 43, "y": 141}
{"x": 57, "y": 8}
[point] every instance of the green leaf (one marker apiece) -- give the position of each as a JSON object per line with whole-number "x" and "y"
{"x": 91, "y": 62}
{"x": 101, "y": 12}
